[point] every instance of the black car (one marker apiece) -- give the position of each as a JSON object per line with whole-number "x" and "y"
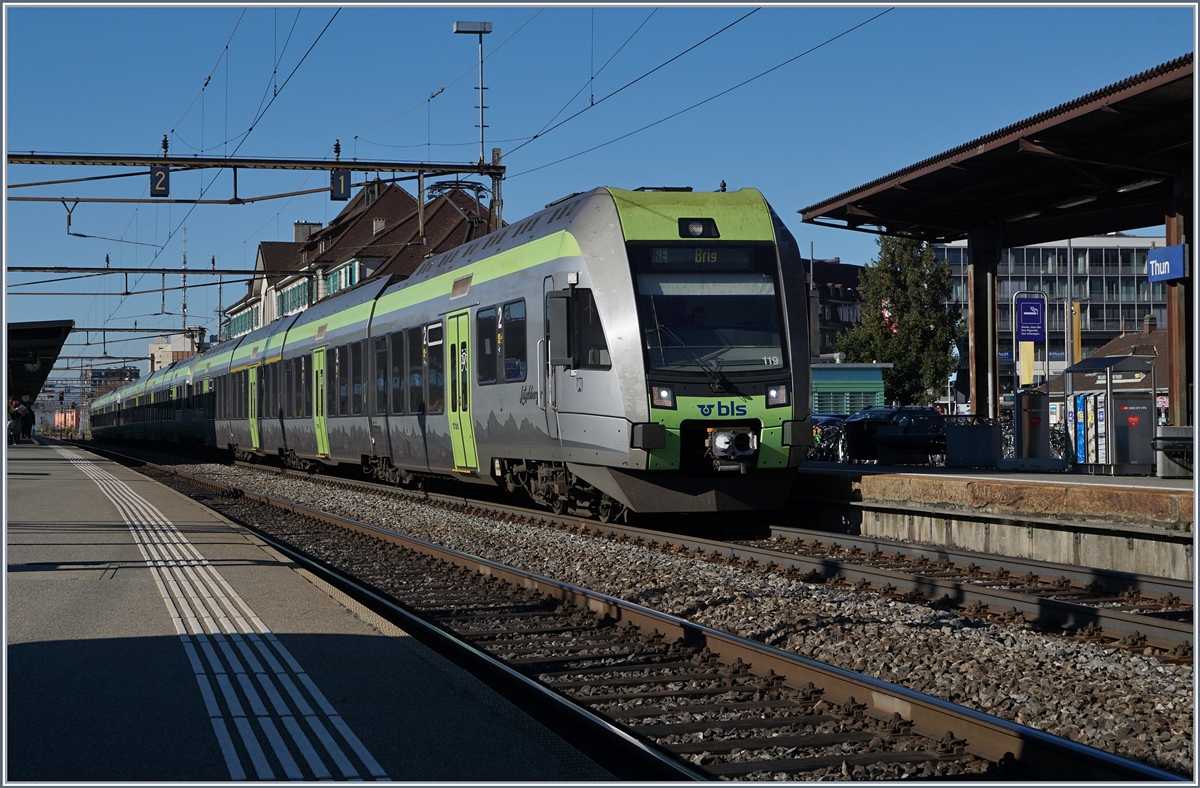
{"x": 894, "y": 435}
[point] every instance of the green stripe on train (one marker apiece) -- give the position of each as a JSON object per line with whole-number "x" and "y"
{"x": 506, "y": 263}
{"x": 543, "y": 250}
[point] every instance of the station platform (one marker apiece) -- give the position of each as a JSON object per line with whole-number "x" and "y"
{"x": 1145, "y": 501}
{"x": 1141, "y": 525}
{"x": 150, "y": 639}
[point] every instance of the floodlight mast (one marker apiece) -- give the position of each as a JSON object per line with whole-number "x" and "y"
{"x": 480, "y": 29}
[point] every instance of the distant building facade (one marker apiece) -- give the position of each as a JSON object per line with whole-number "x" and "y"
{"x": 1110, "y": 283}
{"x": 170, "y": 349}
{"x": 98, "y": 381}
{"x": 383, "y": 231}
{"x": 838, "y": 299}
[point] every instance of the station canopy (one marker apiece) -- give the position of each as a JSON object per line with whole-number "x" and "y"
{"x": 32, "y": 350}
{"x": 1104, "y": 162}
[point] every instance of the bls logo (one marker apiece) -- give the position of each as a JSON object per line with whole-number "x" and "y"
{"x": 723, "y": 409}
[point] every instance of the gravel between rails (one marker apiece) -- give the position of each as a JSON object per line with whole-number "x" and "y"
{"x": 1132, "y": 705}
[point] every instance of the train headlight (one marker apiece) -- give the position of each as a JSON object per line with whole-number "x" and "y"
{"x": 732, "y": 443}
{"x": 662, "y": 396}
{"x": 723, "y": 444}
{"x": 777, "y": 395}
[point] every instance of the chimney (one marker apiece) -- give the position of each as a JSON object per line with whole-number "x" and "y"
{"x": 1149, "y": 323}
{"x": 302, "y": 230}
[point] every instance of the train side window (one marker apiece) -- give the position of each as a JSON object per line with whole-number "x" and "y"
{"x": 435, "y": 364}
{"x": 453, "y": 377}
{"x": 356, "y": 378}
{"x": 591, "y": 347}
{"x": 331, "y": 355}
{"x": 515, "y": 348}
{"x": 303, "y": 365}
{"x": 398, "y": 372}
{"x": 265, "y": 398}
{"x": 261, "y": 396}
{"x": 416, "y": 371}
{"x": 289, "y": 388}
{"x": 264, "y": 390}
{"x": 343, "y": 380}
{"x": 381, "y": 376}
{"x": 486, "y": 345}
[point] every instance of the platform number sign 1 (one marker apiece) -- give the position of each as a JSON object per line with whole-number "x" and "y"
{"x": 339, "y": 185}
{"x": 160, "y": 181}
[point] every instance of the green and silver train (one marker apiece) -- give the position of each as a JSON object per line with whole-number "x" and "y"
{"x": 620, "y": 350}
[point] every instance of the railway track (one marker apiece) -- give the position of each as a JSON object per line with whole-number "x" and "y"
{"x": 691, "y": 702}
{"x": 1118, "y": 609}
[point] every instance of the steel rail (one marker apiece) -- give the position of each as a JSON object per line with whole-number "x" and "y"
{"x": 997, "y": 740}
{"x": 1039, "y": 611}
{"x": 936, "y": 553}
{"x": 1049, "y": 613}
{"x": 609, "y": 745}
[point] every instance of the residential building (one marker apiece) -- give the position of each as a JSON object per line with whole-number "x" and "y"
{"x": 383, "y": 231}
{"x": 839, "y": 302}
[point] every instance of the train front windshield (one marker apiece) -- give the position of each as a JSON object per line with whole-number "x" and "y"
{"x": 709, "y": 308}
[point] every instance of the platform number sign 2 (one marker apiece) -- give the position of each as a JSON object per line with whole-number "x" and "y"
{"x": 160, "y": 181}
{"x": 339, "y": 185}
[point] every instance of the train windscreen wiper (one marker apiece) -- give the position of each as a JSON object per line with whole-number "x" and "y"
{"x": 719, "y": 383}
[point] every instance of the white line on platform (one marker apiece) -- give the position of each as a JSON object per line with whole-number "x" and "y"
{"x": 207, "y": 612}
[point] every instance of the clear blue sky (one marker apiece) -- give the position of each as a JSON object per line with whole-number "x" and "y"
{"x": 906, "y": 86}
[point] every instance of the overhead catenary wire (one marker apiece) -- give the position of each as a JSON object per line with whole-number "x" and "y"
{"x": 630, "y": 84}
{"x": 705, "y": 101}
{"x": 224, "y": 53}
{"x": 593, "y": 77}
{"x": 253, "y": 123}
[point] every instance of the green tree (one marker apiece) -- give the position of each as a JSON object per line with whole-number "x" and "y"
{"x": 905, "y": 321}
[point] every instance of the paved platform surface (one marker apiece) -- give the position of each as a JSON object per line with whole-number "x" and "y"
{"x": 1142, "y": 501}
{"x": 149, "y": 639}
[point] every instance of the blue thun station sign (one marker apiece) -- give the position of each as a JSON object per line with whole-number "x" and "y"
{"x": 1166, "y": 263}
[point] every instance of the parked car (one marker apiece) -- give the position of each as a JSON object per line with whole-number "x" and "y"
{"x": 905, "y": 434}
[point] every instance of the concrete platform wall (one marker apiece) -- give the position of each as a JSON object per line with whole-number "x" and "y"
{"x": 1147, "y": 552}
{"x": 1066, "y": 519}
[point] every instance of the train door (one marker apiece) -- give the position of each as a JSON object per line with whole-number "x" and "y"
{"x": 319, "y": 401}
{"x": 548, "y": 401}
{"x": 253, "y": 407}
{"x": 458, "y": 367}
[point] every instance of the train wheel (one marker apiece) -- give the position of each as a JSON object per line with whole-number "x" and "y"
{"x": 608, "y": 510}
{"x": 559, "y": 505}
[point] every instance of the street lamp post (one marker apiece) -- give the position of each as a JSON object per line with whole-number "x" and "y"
{"x": 480, "y": 29}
